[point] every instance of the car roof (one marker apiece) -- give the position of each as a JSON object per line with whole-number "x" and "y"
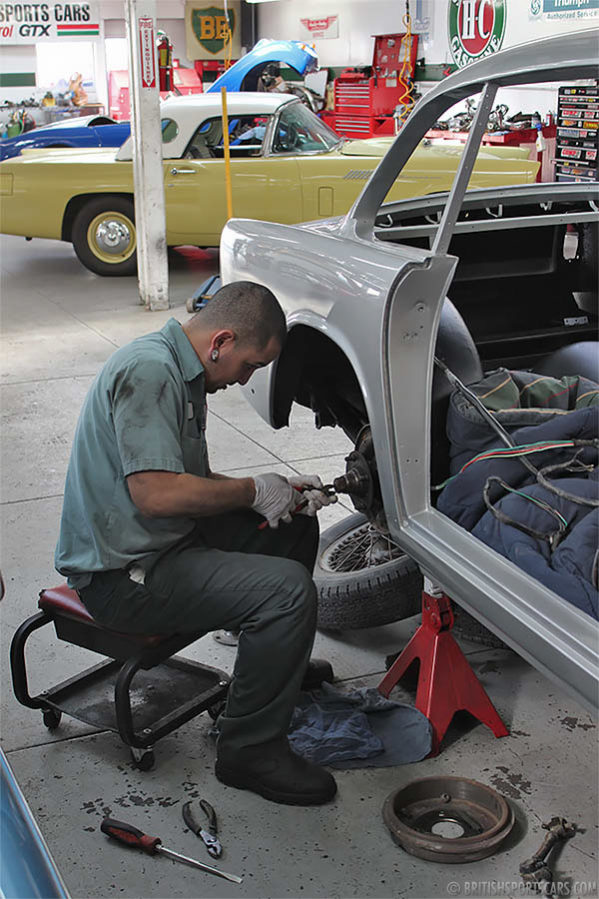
{"x": 238, "y": 102}
{"x": 189, "y": 111}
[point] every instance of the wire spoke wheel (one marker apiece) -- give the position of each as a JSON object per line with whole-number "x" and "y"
{"x": 364, "y": 547}
{"x": 363, "y": 578}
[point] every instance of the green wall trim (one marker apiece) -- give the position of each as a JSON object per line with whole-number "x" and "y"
{"x": 17, "y": 79}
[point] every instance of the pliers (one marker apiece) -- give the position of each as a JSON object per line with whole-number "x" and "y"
{"x": 209, "y": 836}
{"x": 327, "y": 489}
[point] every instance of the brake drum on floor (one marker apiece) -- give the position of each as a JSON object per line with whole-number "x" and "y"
{"x": 448, "y": 819}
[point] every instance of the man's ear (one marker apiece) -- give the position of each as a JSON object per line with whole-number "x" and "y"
{"x": 222, "y": 339}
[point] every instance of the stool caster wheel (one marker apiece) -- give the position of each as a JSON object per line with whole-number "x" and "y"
{"x": 215, "y": 710}
{"x": 143, "y": 759}
{"x": 51, "y": 718}
{"x": 190, "y": 305}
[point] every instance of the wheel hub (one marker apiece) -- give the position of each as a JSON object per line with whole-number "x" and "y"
{"x": 113, "y": 236}
{"x": 361, "y": 480}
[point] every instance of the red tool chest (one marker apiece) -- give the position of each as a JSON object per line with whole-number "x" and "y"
{"x": 364, "y": 101}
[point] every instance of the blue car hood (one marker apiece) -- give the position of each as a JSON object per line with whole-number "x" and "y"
{"x": 295, "y": 54}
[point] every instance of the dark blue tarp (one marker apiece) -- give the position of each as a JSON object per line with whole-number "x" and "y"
{"x": 567, "y": 566}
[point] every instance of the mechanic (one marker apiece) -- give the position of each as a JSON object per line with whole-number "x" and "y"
{"x": 271, "y": 80}
{"x": 155, "y": 542}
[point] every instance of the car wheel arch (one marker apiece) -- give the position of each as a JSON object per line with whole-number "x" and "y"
{"x": 315, "y": 371}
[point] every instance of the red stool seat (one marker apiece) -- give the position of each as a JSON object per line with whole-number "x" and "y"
{"x": 63, "y": 602}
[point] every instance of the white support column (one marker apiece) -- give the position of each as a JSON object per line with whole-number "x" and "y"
{"x": 150, "y": 218}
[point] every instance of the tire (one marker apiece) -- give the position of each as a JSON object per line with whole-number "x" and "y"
{"x": 379, "y": 592}
{"x": 469, "y": 628}
{"x": 104, "y": 236}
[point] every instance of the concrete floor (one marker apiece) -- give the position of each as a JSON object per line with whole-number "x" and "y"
{"x": 59, "y": 324}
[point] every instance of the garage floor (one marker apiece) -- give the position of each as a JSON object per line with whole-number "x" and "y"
{"x": 59, "y": 324}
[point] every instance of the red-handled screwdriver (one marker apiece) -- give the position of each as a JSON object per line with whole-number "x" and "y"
{"x": 137, "y": 839}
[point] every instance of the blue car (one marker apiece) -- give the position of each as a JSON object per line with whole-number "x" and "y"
{"x": 27, "y": 870}
{"x": 84, "y": 131}
{"x": 245, "y": 73}
{"x": 101, "y": 131}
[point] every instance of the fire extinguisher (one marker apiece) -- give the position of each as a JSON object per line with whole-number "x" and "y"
{"x": 165, "y": 61}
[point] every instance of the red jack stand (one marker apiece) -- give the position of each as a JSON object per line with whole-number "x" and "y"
{"x": 446, "y": 682}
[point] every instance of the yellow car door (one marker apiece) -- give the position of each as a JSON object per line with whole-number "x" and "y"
{"x": 195, "y": 195}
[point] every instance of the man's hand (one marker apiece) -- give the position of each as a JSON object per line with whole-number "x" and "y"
{"x": 314, "y": 499}
{"x": 275, "y": 498}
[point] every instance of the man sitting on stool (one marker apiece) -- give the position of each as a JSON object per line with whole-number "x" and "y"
{"x": 154, "y": 542}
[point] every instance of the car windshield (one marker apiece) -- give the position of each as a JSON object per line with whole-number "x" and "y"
{"x": 300, "y": 131}
{"x": 246, "y": 134}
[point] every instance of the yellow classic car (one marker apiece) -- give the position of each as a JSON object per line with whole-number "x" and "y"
{"x": 287, "y": 166}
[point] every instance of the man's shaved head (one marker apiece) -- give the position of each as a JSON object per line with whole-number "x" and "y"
{"x": 250, "y": 310}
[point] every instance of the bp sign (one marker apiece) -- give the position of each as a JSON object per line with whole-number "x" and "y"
{"x": 210, "y": 27}
{"x": 476, "y": 28}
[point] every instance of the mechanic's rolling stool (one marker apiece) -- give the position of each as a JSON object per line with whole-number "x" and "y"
{"x": 446, "y": 682}
{"x": 104, "y": 694}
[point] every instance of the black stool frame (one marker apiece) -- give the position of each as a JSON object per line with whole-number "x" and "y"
{"x": 126, "y": 658}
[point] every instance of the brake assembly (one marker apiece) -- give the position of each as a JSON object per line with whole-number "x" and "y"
{"x": 360, "y": 481}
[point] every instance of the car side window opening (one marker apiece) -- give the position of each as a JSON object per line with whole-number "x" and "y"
{"x": 169, "y": 129}
{"x": 246, "y": 135}
{"x": 300, "y": 131}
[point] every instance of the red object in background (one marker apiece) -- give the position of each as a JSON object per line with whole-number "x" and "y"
{"x": 210, "y": 65}
{"x": 446, "y": 682}
{"x": 118, "y": 95}
{"x": 185, "y": 81}
{"x": 364, "y": 105}
{"x": 165, "y": 62}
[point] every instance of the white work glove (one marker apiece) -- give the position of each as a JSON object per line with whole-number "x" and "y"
{"x": 314, "y": 499}
{"x": 275, "y": 498}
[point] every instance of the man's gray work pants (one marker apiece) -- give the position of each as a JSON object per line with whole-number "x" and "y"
{"x": 229, "y": 574}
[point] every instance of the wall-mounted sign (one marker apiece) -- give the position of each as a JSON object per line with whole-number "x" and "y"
{"x": 28, "y": 23}
{"x": 318, "y": 29}
{"x": 565, "y": 9}
{"x": 206, "y": 29}
{"x": 476, "y": 28}
{"x": 147, "y": 51}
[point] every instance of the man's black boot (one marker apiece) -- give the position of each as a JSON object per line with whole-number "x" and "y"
{"x": 275, "y": 772}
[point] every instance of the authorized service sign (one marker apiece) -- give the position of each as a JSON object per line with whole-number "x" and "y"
{"x": 28, "y": 23}
{"x": 476, "y": 29}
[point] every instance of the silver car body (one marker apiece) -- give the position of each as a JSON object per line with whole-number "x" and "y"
{"x": 380, "y": 303}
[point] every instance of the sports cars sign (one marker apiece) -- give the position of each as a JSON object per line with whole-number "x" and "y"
{"x": 476, "y": 28}
{"x": 33, "y": 22}
{"x": 207, "y": 28}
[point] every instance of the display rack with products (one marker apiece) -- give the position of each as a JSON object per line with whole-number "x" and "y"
{"x": 577, "y": 133}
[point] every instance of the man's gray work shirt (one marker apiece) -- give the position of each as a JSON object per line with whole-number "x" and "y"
{"x": 146, "y": 411}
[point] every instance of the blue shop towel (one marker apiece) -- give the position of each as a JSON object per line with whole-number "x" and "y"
{"x": 360, "y": 729}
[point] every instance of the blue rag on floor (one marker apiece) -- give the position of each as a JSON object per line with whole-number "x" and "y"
{"x": 360, "y": 729}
